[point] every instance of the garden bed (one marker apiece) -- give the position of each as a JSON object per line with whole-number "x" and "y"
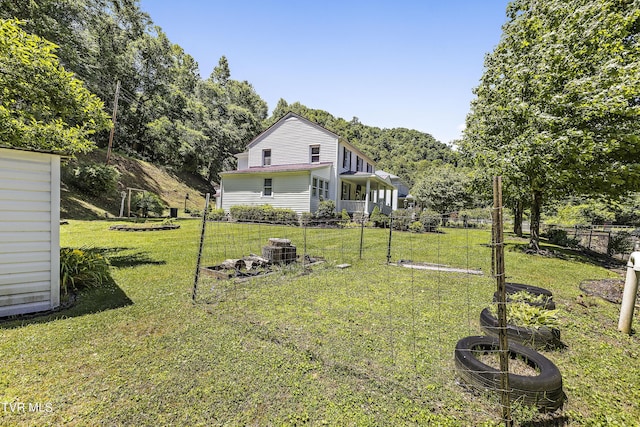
{"x": 144, "y": 227}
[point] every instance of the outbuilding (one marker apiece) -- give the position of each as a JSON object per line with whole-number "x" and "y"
{"x": 29, "y": 231}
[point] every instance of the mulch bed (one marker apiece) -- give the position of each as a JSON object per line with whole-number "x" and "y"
{"x": 608, "y": 289}
{"x": 144, "y": 227}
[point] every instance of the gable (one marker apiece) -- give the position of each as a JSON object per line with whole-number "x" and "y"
{"x": 289, "y": 142}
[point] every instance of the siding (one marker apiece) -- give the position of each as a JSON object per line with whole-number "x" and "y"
{"x": 29, "y": 231}
{"x": 289, "y": 142}
{"x": 290, "y": 190}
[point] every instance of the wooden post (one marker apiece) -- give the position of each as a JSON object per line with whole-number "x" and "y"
{"x": 204, "y": 226}
{"x": 502, "y": 297}
{"x": 113, "y": 119}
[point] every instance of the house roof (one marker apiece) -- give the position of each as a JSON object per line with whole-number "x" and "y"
{"x": 33, "y": 150}
{"x": 363, "y": 176}
{"x": 279, "y": 168}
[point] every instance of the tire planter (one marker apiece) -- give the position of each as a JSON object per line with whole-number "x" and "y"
{"x": 540, "y": 338}
{"x": 513, "y": 288}
{"x": 543, "y": 390}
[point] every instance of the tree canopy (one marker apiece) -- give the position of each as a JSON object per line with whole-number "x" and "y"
{"x": 558, "y": 104}
{"x": 43, "y": 107}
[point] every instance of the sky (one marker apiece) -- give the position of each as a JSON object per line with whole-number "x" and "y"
{"x": 394, "y": 63}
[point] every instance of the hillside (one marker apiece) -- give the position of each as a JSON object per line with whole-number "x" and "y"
{"x": 170, "y": 186}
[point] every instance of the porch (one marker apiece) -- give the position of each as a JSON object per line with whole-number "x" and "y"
{"x": 363, "y": 191}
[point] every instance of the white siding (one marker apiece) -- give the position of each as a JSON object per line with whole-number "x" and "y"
{"x": 29, "y": 232}
{"x": 290, "y": 191}
{"x": 290, "y": 142}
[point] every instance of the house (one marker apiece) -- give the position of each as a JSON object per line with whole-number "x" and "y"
{"x": 296, "y": 164}
{"x": 29, "y": 231}
{"x": 400, "y": 197}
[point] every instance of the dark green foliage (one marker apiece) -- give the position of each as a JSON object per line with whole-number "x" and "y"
{"x": 82, "y": 269}
{"x": 560, "y": 237}
{"x": 326, "y": 210}
{"x": 378, "y": 218}
{"x": 93, "y": 179}
{"x": 403, "y": 218}
{"x": 263, "y": 213}
{"x": 430, "y": 220}
{"x": 620, "y": 243}
{"x": 145, "y": 203}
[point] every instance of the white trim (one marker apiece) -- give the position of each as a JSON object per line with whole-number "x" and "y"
{"x": 55, "y": 231}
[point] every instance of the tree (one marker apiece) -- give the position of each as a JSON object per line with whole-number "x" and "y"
{"x": 558, "y": 104}
{"x": 443, "y": 189}
{"x": 43, "y": 106}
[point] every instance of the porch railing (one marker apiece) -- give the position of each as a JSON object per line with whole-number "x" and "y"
{"x": 359, "y": 205}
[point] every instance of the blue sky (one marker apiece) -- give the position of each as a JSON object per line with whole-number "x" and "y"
{"x": 395, "y": 63}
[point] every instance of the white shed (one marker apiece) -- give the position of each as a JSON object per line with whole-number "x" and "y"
{"x": 29, "y": 231}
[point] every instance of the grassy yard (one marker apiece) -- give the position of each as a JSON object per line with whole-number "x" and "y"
{"x": 371, "y": 344}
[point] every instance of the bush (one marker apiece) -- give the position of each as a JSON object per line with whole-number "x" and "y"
{"x": 416, "y": 227}
{"x": 403, "y": 218}
{"x": 326, "y": 210}
{"x": 378, "y": 218}
{"x": 148, "y": 202}
{"x": 216, "y": 215}
{"x": 263, "y": 213}
{"x": 559, "y": 237}
{"x": 430, "y": 220}
{"x": 93, "y": 179}
{"x": 619, "y": 243}
{"x": 82, "y": 269}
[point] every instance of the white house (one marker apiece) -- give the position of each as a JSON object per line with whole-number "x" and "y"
{"x": 29, "y": 231}
{"x": 296, "y": 164}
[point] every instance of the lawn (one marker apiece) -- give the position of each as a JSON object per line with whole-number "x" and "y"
{"x": 371, "y": 344}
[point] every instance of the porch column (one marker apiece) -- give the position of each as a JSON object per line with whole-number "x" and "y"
{"x": 366, "y": 198}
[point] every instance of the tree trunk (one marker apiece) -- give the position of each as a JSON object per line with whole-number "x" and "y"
{"x": 517, "y": 218}
{"x": 536, "y": 204}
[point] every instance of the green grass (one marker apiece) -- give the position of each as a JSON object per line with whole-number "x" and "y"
{"x": 371, "y": 344}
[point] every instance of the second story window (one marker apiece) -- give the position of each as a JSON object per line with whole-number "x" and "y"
{"x": 369, "y": 168}
{"x": 358, "y": 164}
{"x": 266, "y": 157}
{"x": 315, "y": 154}
{"x": 345, "y": 158}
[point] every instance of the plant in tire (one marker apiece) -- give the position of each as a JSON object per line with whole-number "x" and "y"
{"x": 529, "y": 325}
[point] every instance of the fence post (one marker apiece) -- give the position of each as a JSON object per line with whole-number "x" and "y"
{"x": 361, "y": 234}
{"x": 204, "y": 226}
{"x": 389, "y": 244}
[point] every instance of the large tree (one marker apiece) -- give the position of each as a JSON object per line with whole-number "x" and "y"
{"x": 43, "y": 106}
{"x": 557, "y": 109}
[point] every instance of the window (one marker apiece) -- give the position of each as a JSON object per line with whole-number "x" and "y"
{"x": 266, "y": 157}
{"x": 320, "y": 188}
{"x": 345, "y": 158}
{"x": 268, "y": 188}
{"x": 315, "y": 154}
{"x": 358, "y": 164}
{"x": 369, "y": 168}
{"x": 346, "y": 191}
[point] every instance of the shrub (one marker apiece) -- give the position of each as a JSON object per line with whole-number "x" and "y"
{"x": 416, "y": 227}
{"x": 430, "y": 220}
{"x": 528, "y": 316}
{"x": 559, "y": 237}
{"x": 378, "y": 218}
{"x": 216, "y": 215}
{"x": 93, "y": 179}
{"x": 148, "y": 202}
{"x": 619, "y": 243}
{"x": 82, "y": 269}
{"x": 402, "y": 219}
{"x": 326, "y": 210}
{"x": 263, "y": 213}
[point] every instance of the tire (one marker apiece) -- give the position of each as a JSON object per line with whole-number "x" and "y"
{"x": 543, "y": 390}
{"x": 541, "y": 338}
{"x": 512, "y": 288}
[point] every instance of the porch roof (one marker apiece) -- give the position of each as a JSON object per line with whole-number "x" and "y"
{"x": 362, "y": 177}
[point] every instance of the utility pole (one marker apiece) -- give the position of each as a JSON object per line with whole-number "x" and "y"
{"x": 113, "y": 119}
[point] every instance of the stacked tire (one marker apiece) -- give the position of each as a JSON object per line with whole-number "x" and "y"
{"x": 543, "y": 390}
